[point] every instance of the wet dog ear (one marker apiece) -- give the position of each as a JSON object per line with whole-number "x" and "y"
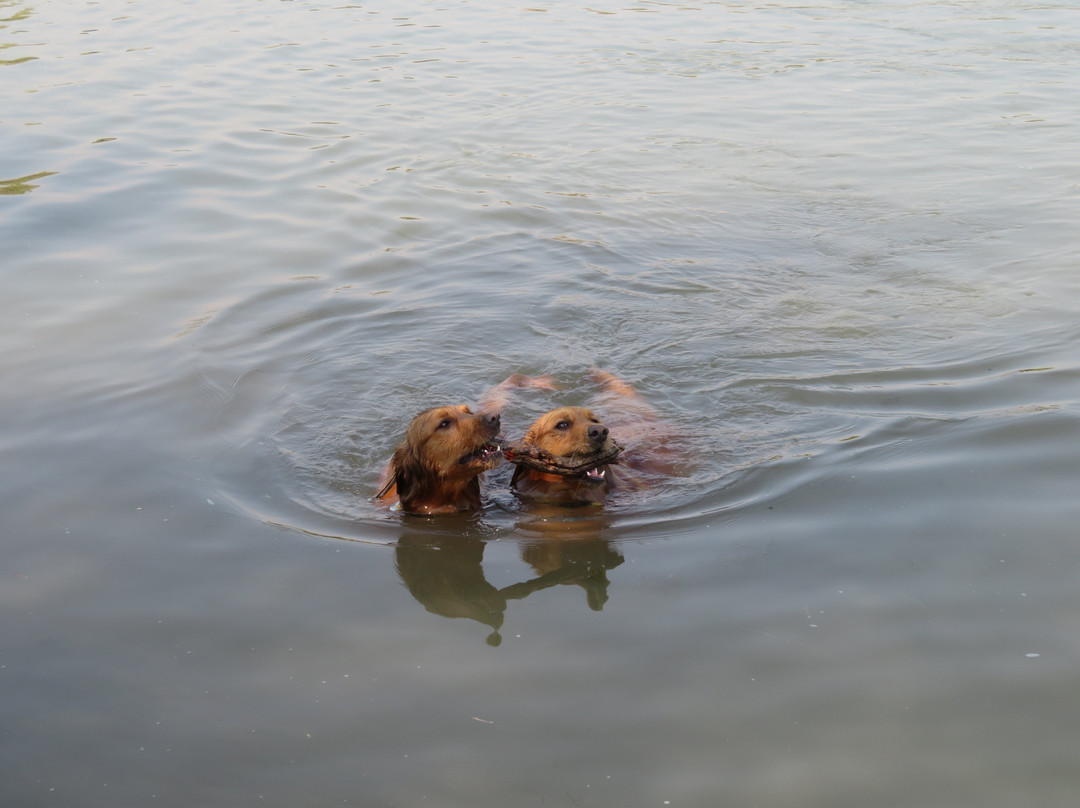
{"x": 409, "y": 473}
{"x": 533, "y": 432}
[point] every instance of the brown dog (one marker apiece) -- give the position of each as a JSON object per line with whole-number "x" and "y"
{"x": 437, "y": 468}
{"x": 577, "y": 434}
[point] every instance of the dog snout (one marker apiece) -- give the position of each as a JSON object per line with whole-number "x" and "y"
{"x": 598, "y": 433}
{"x": 491, "y": 420}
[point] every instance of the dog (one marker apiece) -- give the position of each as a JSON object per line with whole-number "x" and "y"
{"x": 437, "y": 468}
{"x": 577, "y": 435}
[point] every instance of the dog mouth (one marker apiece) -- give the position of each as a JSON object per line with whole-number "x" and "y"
{"x": 592, "y": 467}
{"x": 491, "y": 453}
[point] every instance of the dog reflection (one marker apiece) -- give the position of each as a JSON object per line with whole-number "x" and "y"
{"x": 446, "y": 575}
{"x": 581, "y": 563}
{"x": 565, "y": 546}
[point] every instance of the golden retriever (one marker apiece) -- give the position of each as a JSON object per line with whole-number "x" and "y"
{"x": 437, "y": 468}
{"x": 576, "y": 434}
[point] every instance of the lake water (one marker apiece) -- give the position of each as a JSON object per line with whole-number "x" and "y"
{"x": 834, "y": 243}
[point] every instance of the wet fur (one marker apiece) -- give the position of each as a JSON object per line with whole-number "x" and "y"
{"x": 426, "y": 475}
{"x": 436, "y": 468}
{"x": 579, "y": 432}
{"x": 567, "y": 432}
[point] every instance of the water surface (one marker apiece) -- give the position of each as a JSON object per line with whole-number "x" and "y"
{"x": 834, "y": 244}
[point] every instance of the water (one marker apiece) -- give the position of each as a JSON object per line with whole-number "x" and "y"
{"x": 834, "y": 244}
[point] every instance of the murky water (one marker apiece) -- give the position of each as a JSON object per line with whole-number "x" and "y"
{"x": 834, "y": 244}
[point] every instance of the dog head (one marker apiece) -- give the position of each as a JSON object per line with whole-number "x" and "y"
{"x": 569, "y": 432}
{"x": 445, "y": 450}
{"x": 572, "y": 432}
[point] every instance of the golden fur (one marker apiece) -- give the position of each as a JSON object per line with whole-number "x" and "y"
{"x": 437, "y": 468}
{"x": 579, "y": 433}
{"x": 567, "y": 432}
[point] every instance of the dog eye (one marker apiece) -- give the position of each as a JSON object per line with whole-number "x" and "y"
{"x": 562, "y": 425}
{"x": 444, "y": 423}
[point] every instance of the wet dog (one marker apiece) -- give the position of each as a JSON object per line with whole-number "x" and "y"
{"x": 437, "y": 468}
{"x": 574, "y": 433}
{"x": 586, "y": 464}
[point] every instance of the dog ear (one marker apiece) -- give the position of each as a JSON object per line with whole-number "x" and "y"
{"x": 532, "y": 432}
{"x": 409, "y": 473}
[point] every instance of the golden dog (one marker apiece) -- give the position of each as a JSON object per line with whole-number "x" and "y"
{"x": 437, "y": 468}
{"x": 577, "y": 434}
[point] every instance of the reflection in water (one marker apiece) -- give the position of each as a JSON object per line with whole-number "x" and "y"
{"x": 22, "y": 185}
{"x": 447, "y": 576}
{"x": 445, "y": 572}
{"x": 565, "y": 546}
{"x": 579, "y": 563}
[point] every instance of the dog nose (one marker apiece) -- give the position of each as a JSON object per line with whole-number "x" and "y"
{"x": 491, "y": 419}
{"x": 598, "y": 432}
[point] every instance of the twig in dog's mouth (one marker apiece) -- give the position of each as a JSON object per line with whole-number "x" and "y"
{"x": 484, "y": 454}
{"x": 589, "y": 467}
